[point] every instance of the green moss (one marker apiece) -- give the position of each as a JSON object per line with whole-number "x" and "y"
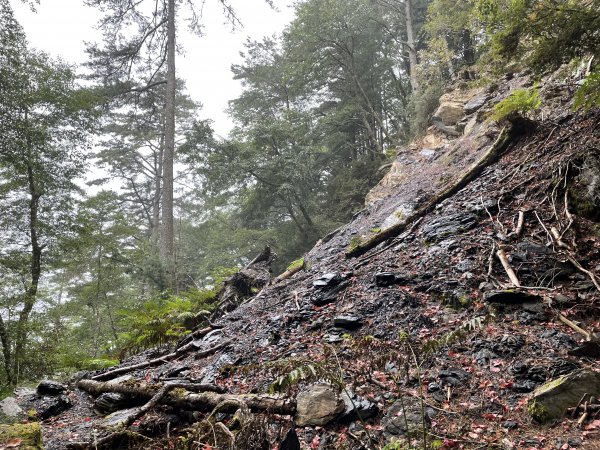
{"x": 520, "y": 103}
{"x": 29, "y": 433}
{"x": 537, "y": 411}
{"x": 296, "y": 265}
{"x": 400, "y": 215}
{"x": 550, "y": 385}
{"x": 376, "y": 230}
{"x": 355, "y": 242}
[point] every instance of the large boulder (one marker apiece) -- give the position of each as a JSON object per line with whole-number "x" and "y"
{"x": 318, "y": 405}
{"x": 10, "y": 411}
{"x": 551, "y": 400}
{"x": 49, "y": 387}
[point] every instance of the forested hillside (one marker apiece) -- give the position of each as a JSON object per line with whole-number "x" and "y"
{"x": 129, "y": 229}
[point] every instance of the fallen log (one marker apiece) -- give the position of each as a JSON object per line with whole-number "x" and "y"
{"x": 192, "y": 401}
{"x": 158, "y": 361}
{"x": 489, "y": 157}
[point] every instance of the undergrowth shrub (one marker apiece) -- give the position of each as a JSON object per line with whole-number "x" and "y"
{"x": 588, "y": 95}
{"x": 162, "y": 319}
{"x": 521, "y": 102}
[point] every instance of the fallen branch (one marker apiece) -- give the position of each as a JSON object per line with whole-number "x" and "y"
{"x": 158, "y": 361}
{"x": 490, "y": 156}
{"x": 184, "y": 399}
{"x": 520, "y": 222}
{"x": 293, "y": 269}
{"x": 575, "y": 327}
{"x": 507, "y": 267}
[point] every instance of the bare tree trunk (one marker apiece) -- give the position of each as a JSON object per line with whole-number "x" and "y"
{"x": 35, "y": 272}
{"x": 168, "y": 244}
{"x": 6, "y": 351}
{"x": 410, "y": 41}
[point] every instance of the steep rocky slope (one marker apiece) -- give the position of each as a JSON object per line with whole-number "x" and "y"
{"x": 424, "y": 334}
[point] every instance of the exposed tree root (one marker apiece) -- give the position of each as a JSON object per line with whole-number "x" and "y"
{"x": 490, "y": 156}
{"x": 507, "y": 267}
{"x": 184, "y": 399}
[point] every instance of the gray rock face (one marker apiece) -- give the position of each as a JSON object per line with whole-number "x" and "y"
{"x": 118, "y": 418}
{"x": 450, "y": 112}
{"x": 551, "y": 400}
{"x": 10, "y": 408}
{"x": 356, "y": 407}
{"x": 405, "y": 417}
{"x": 110, "y": 402}
{"x": 318, "y": 405}
{"x": 347, "y": 322}
{"x": 449, "y": 225}
{"x": 475, "y": 103}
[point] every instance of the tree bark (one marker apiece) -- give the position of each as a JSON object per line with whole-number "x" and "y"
{"x": 410, "y": 43}
{"x": 202, "y": 401}
{"x": 30, "y": 295}
{"x": 168, "y": 235}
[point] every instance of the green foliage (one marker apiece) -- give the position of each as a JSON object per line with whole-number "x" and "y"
{"x": 161, "y": 319}
{"x": 521, "y": 102}
{"x": 461, "y": 333}
{"x": 588, "y": 95}
{"x": 285, "y": 382}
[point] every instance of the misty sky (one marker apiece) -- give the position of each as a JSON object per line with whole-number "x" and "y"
{"x": 60, "y": 27}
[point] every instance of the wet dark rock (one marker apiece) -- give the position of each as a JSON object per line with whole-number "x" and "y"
{"x": 453, "y": 376}
{"x": 328, "y": 295}
{"x": 465, "y": 265}
{"x": 484, "y": 356}
{"x": 357, "y": 408}
{"x": 213, "y": 370}
{"x": 327, "y": 280}
{"x": 524, "y": 387}
{"x": 290, "y": 441}
{"x": 433, "y": 387}
{"x": 510, "y": 296}
{"x": 347, "y": 322}
{"x": 54, "y": 407}
{"x": 49, "y": 387}
{"x": 118, "y": 418}
{"x": 449, "y": 225}
{"x": 405, "y": 417}
{"x": 110, "y": 402}
{"x": 482, "y": 208}
{"x": 384, "y": 279}
{"x": 510, "y": 425}
{"x": 475, "y": 103}
{"x": 589, "y": 349}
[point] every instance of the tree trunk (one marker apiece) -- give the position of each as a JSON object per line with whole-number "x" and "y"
{"x": 168, "y": 244}
{"x": 6, "y": 351}
{"x": 412, "y": 50}
{"x": 182, "y": 399}
{"x": 35, "y": 272}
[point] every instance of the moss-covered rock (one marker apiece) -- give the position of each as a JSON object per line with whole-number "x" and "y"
{"x": 30, "y": 435}
{"x": 551, "y": 400}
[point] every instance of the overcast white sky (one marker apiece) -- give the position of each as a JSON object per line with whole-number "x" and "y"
{"x": 60, "y": 28}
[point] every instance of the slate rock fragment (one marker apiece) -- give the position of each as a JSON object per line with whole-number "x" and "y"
{"x": 347, "y": 322}
{"x": 54, "y": 407}
{"x": 49, "y": 387}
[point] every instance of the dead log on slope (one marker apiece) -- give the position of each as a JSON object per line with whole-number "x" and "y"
{"x": 160, "y": 360}
{"x": 191, "y": 401}
{"x": 490, "y": 156}
{"x": 245, "y": 283}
